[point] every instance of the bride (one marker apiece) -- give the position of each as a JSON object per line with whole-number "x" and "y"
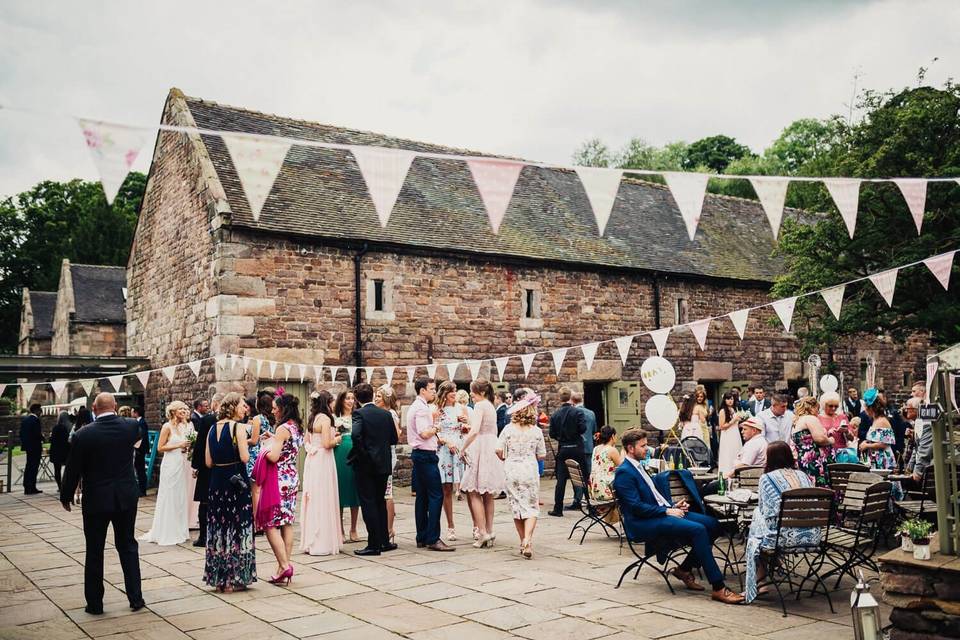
{"x": 170, "y": 516}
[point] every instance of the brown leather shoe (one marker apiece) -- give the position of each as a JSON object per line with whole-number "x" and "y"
{"x": 687, "y": 579}
{"x": 440, "y": 545}
{"x": 727, "y": 597}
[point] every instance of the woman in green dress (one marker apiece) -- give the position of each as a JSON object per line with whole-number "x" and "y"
{"x": 343, "y": 420}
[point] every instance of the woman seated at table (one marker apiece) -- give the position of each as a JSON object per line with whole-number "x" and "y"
{"x": 780, "y": 474}
{"x": 606, "y": 459}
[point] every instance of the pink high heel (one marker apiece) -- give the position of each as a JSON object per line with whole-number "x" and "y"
{"x": 284, "y": 577}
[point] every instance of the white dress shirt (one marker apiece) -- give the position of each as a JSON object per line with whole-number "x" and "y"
{"x": 777, "y": 427}
{"x": 663, "y": 502}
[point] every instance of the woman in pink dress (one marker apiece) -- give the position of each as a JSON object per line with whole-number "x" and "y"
{"x": 833, "y": 420}
{"x": 320, "y": 532}
{"x": 483, "y": 479}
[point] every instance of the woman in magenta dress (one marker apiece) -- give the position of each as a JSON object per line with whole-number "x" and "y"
{"x": 320, "y": 532}
{"x": 483, "y": 479}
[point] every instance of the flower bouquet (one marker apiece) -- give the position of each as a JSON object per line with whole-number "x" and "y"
{"x": 742, "y": 415}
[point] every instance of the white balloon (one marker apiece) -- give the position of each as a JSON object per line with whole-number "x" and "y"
{"x": 658, "y": 374}
{"x": 829, "y": 383}
{"x": 662, "y": 412}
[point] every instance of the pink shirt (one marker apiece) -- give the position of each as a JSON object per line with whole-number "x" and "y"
{"x": 420, "y": 419}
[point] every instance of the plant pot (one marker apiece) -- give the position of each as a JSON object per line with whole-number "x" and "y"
{"x": 921, "y": 549}
{"x": 906, "y": 544}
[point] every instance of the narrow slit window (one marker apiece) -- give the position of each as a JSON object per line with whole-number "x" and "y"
{"x": 378, "y": 295}
{"x": 530, "y": 304}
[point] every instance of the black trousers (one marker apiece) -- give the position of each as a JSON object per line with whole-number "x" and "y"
{"x": 95, "y": 534}
{"x": 140, "y": 464}
{"x": 58, "y": 474}
{"x": 564, "y": 453}
{"x": 371, "y": 488}
{"x": 30, "y": 472}
{"x": 202, "y": 520}
{"x": 585, "y": 468}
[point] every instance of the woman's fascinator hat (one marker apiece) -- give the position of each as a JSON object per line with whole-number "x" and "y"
{"x": 531, "y": 399}
{"x": 870, "y": 396}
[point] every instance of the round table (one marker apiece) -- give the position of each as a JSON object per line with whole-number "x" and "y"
{"x": 726, "y": 501}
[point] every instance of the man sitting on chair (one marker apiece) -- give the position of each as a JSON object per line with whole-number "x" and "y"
{"x": 649, "y": 516}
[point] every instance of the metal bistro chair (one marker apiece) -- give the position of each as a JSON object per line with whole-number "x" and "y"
{"x": 922, "y": 502}
{"x": 646, "y": 553}
{"x": 852, "y": 548}
{"x": 593, "y": 512}
{"x": 747, "y": 478}
{"x": 838, "y": 474}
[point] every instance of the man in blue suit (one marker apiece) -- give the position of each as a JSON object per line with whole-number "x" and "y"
{"x": 648, "y": 516}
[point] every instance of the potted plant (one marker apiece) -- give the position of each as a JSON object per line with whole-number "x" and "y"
{"x": 919, "y": 531}
{"x": 906, "y": 544}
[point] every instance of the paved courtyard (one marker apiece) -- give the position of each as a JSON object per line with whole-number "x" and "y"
{"x": 566, "y": 591}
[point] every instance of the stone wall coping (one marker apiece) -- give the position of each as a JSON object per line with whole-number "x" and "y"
{"x": 937, "y": 561}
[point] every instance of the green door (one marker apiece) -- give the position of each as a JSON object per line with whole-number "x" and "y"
{"x": 623, "y": 405}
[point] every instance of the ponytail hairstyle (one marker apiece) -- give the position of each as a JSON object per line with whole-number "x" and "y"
{"x": 482, "y": 387}
{"x": 289, "y": 407}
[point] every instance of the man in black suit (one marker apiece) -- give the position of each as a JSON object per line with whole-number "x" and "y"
{"x": 567, "y": 426}
{"x": 31, "y": 442}
{"x": 758, "y": 402}
{"x": 373, "y": 434}
{"x": 101, "y": 454}
{"x": 140, "y": 460}
{"x": 506, "y": 399}
{"x": 202, "y": 420}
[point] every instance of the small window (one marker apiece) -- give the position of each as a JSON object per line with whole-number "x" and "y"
{"x": 530, "y": 305}
{"x": 378, "y": 295}
{"x": 680, "y": 311}
{"x": 907, "y": 379}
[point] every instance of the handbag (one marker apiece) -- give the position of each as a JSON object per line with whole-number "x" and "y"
{"x": 237, "y": 480}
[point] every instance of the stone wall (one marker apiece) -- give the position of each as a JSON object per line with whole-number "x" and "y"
{"x": 63, "y": 312}
{"x": 98, "y": 339}
{"x": 925, "y": 595}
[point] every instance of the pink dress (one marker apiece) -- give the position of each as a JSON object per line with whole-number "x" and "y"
{"x": 484, "y": 471}
{"x": 320, "y": 533}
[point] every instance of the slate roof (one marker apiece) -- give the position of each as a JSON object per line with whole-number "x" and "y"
{"x": 98, "y": 293}
{"x": 320, "y": 192}
{"x": 43, "y": 304}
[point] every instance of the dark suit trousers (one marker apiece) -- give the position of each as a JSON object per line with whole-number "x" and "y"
{"x": 371, "y": 488}
{"x": 426, "y": 475}
{"x": 58, "y": 474}
{"x": 30, "y": 472}
{"x": 564, "y": 453}
{"x": 95, "y": 533}
{"x": 140, "y": 464}
{"x": 699, "y": 531}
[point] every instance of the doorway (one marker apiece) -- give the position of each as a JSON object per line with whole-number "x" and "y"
{"x": 593, "y": 399}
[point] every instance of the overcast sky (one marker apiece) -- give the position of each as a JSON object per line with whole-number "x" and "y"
{"x": 527, "y": 78}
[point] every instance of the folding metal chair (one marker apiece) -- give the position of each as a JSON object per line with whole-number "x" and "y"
{"x": 838, "y": 475}
{"x": 855, "y": 547}
{"x": 593, "y": 512}
{"x": 646, "y": 556}
{"x": 920, "y": 502}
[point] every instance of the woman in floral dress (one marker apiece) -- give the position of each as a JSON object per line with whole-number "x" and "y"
{"x": 812, "y": 445}
{"x": 451, "y": 418}
{"x": 520, "y": 446}
{"x": 258, "y": 429}
{"x": 606, "y": 459}
{"x": 284, "y": 450}
{"x": 878, "y": 444}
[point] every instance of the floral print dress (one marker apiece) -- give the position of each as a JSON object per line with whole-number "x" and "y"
{"x": 451, "y": 466}
{"x": 812, "y": 459}
{"x": 521, "y": 446}
{"x": 287, "y": 476}
{"x": 265, "y": 427}
{"x": 601, "y": 475}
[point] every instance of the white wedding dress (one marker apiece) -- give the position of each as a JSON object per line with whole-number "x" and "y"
{"x": 730, "y": 445}
{"x": 170, "y": 516}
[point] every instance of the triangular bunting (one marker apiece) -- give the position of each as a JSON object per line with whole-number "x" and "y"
{"x": 495, "y": 180}
{"x": 601, "y": 186}
{"x": 914, "y": 191}
{"x": 699, "y": 330}
{"x": 249, "y": 364}
{"x": 195, "y": 367}
{"x": 351, "y": 372}
{"x": 143, "y": 377}
{"x": 885, "y": 282}
{"x": 368, "y": 375}
{"x": 558, "y": 356}
{"x": 623, "y": 347}
{"x": 659, "y": 337}
{"x": 941, "y": 266}
{"x": 116, "y": 382}
{"x": 272, "y": 369}
{"x": 931, "y": 369}
{"x": 257, "y": 365}
{"x": 452, "y": 370}
{"x": 114, "y": 149}
{"x": 784, "y": 309}
{"x": 257, "y": 162}
{"x": 286, "y": 370}
{"x": 28, "y": 389}
{"x": 688, "y": 190}
{"x": 474, "y": 367}
{"x": 221, "y": 361}
{"x": 589, "y": 353}
{"x": 170, "y": 372}
{"x": 846, "y": 194}
{"x": 87, "y": 385}
{"x": 58, "y": 387}
{"x": 231, "y": 362}
{"x": 384, "y": 171}
{"x": 739, "y": 320}
{"x": 411, "y": 374}
{"x": 772, "y": 193}
{"x": 834, "y": 299}
{"x": 501, "y": 366}
{"x": 333, "y": 373}
{"x": 388, "y": 372}
{"x": 3, "y": 388}
{"x": 301, "y": 371}
{"x": 527, "y": 360}
{"x": 432, "y": 370}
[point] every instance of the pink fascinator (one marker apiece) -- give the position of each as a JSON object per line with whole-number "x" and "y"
{"x": 531, "y": 399}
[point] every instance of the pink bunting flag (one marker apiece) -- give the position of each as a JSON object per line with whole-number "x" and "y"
{"x": 699, "y": 330}
{"x": 452, "y": 369}
{"x": 495, "y": 180}
{"x": 941, "y": 266}
{"x": 846, "y": 195}
{"x": 114, "y": 149}
{"x": 195, "y": 367}
{"x": 772, "y": 193}
{"x": 115, "y": 382}
{"x": 474, "y": 367}
{"x": 501, "y": 366}
{"x": 688, "y": 190}
{"x": 27, "y": 388}
{"x": 914, "y": 191}
{"x": 527, "y": 360}
{"x": 739, "y": 320}
{"x": 952, "y": 391}
{"x": 601, "y": 185}
{"x": 784, "y": 309}
{"x": 170, "y": 372}
{"x": 623, "y": 347}
{"x": 384, "y": 171}
{"x": 834, "y": 299}
{"x": 885, "y": 282}
{"x": 351, "y": 374}
{"x": 659, "y": 337}
{"x": 411, "y": 374}
{"x": 388, "y": 372}
{"x": 58, "y": 387}
{"x": 558, "y": 356}
{"x": 257, "y": 162}
{"x": 431, "y": 370}
{"x": 589, "y": 353}
{"x": 932, "y": 366}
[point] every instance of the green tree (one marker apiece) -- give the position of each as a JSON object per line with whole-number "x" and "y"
{"x": 715, "y": 152}
{"x": 593, "y": 153}
{"x": 56, "y": 220}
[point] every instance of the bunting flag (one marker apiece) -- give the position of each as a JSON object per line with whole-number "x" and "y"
{"x": 221, "y": 361}
{"x": 286, "y": 370}
{"x": 248, "y": 364}
{"x": 558, "y": 356}
{"x": 772, "y": 193}
{"x": 272, "y": 369}
{"x": 28, "y": 389}
{"x": 195, "y": 367}
{"x": 388, "y": 371}
{"x": 333, "y": 373}
{"x": 623, "y": 347}
{"x": 660, "y": 339}
{"x": 932, "y": 366}
{"x": 495, "y": 180}
{"x": 351, "y": 372}
{"x": 688, "y": 190}
{"x": 699, "y": 330}
{"x": 257, "y": 162}
{"x": 601, "y": 186}
{"x": 114, "y": 149}
{"x": 589, "y": 353}
{"x": 474, "y": 366}
{"x": 739, "y": 320}
{"x": 231, "y": 362}
{"x": 784, "y": 309}
{"x": 116, "y": 382}
{"x": 87, "y": 385}
{"x": 432, "y": 370}
{"x": 301, "y": 372}
{"x": 452, "y": 369}
{"x": 953, "y": 390}
{"x": 914, "y": 191}
{"x": 257, "y": 365}
{"x": 834, "y": 299}
{"x": 941, "y": 266}
{"x": 143, "y": 377}
{"x": 3, "y": 388}
{"x": 411, "y": 374}
{"x": 384, "y": 171}
{"x": 170, "y": 372}
{"x": 527, "y": 360}
{"x": 58, "y": 387}
{"x": 368, "y": 375}
{"x": 501, "y": 366}
{"x": 885, "y": 282}
{"x": 846, "y": 194}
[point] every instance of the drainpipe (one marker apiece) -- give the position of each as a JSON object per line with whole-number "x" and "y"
{"x": 358, "y": 340}
{"x": 656, "y": 300}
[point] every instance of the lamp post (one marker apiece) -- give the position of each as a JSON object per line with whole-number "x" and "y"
{"x": 866, "y": 612}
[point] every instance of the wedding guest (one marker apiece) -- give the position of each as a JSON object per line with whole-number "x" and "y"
{"x": 730, "y": 441}
{"x": 505, "y": 399}
{"x": 833, "y": 420}
{"x": 143, "y": 448}
{"x": 483, "y": 478}
{"x": 451, "y": 417}
{"x": 230, "y": 563}
{"x": 170, "y": 523}
{"x": 810, "y": 440}
{"x": 606, "y": 459}
{"x": 753, "y": 453}
{"x": 199, "y": 464}
{"x": 777, "y": 419}
{"x": 851, "y": 404}
{"x": 463, "y": 399}
{"x": 84, "y": 417}
{"x": 101, "y": 456}
{"x": 259, "y": 428}
{"x": 125, "y": 412}
{"x": 422, "y": 438}
{"x": 374, "y": 435}
{"x": 31, "y": 443}
{"x": 346, "y": 484}
{"x": 60, "y": 445}
{"x": 590, "y": 418}
{"x": 386, "y": 398}
{"x": 320, "y": 526}
{"x": 691, "y": 423}
{"x": 567, "y": 426}
{"x": 520, "y": 445}
{"x": 878, "y": 445}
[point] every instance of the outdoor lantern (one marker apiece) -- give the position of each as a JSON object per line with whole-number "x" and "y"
{"x": 866, "y": 612}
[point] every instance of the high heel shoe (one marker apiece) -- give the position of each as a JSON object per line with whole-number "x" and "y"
{"x": 285, "y": 577}
{"x": 480, "y": 542}
{"x": 485, "y": 541}
{"x": 525, "y": 550}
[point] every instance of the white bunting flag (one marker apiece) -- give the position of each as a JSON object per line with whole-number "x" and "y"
{"x": 699, "y": 330}
{"x": 885, "y": 282}
{"x": 941, "y": 266}
{"x": 660, "y": 339}
{"x": 739, "y": 320}
{"x": 432, "y": 370}
{"x": 688, "y": 190}
{"x": 601, "y": 186}
{"x": 784, "y": 309}
{"x": 286, "y": 370}
{"x": 333, "y": 373}
{"x": 115, "y": 382}
{"x": 384, "y": 171}
{"x": 143, "y": 377}
{"x": 170, "y": 372}
{"x": 474, "y": 367}
{"x": 248, "y": 364}
{"x": 87, "y": 385}
{"x": 221, "y": 361}
{"x": 834, "y": 299}
{"x": 589, "y": 353}
{"x": 772, "y": 193}
{"x": 452, "y": 370}
{"x": 953, "y": 390}
{"x": 932, "y": 366}
{"x": 558, "y": 356}
{"x": 623, "y": 347}
{"x": 272, "y": 369}
{"x": 258, "y": 162}
{"x": 527, "y": 360}
{"x": 28, "y": 389}
{"x": 114, "y": 149}
{"x": 368, "y": 375}
{"x": 501, "y": 366}
{"x": 58, "y": 387}
{"x": 300, "y": 372}
{"x": 257, "y": 365}
{"x": 351, "y": 372}
{"x": 231, "y": 362}
{"x": 411, "y": 374}
{"x": 846, "y": 194}
{"x": 495, "y": 180}
{"x": 914, "y": 191}
{"x": 195, "y": 367}
{"x": 3, "y": 388}
{"x": 388, "y": 371}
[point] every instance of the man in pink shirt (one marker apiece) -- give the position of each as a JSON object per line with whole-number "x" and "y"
{"x": 422, "y": 438}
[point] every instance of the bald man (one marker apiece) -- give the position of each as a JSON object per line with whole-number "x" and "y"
{"x": 101, "y": 454}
